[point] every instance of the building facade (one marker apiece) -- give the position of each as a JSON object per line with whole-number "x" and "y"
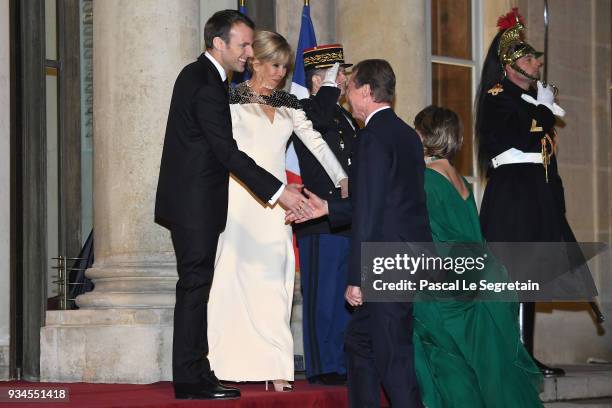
{"x": 89, "y": 82}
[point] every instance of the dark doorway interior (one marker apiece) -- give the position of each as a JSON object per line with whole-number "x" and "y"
{"x": 46, "y": 177}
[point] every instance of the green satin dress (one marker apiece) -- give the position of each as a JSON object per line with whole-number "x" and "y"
{"x": 468, "y": 353}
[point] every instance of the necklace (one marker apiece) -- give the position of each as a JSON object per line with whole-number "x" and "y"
{"x": 263, "y": 86}
{"x": 429, "y": 159}
{"x": 255, "y": 96}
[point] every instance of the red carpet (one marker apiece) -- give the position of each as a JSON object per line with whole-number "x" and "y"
{"x": 161, "y": 395}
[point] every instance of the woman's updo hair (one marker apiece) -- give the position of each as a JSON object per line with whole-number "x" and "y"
{"x": 441, "y": 131}
{"x": 269, "y": 46}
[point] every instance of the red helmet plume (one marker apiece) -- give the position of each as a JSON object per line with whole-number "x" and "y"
{"x": 509, "y": 19}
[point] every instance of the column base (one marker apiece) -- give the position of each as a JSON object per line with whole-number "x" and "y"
{"x": 107, "y": 346}
{"x": 132, "y": 282}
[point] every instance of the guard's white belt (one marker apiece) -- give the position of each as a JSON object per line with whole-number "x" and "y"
{"x": 513, "y": 155}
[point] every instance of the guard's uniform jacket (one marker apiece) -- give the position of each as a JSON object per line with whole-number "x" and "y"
{"x": 523, "y": 202}
{"x": 324, "y": 250}
{"x": 334, "y": 124}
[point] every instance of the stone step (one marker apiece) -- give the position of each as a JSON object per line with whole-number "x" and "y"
{"x": 590, "y": 403}
{"x": 581, "y": 382}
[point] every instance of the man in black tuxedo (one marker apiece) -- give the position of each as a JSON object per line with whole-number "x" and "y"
{"x": 199, "y": 153}
{"x": 387, "y": 204}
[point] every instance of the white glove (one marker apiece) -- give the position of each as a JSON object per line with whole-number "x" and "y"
{"x": 545, "y": 94}
{"x": 546, "y": 97}
{"x": 558, "y": 111}
{"x": 331, "y": 75}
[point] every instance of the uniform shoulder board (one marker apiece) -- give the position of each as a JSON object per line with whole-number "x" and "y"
{"x": 496, "y": 90}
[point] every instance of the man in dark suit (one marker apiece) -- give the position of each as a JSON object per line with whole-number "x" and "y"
{"x": 387, "y": 204}
{"x": 323, "y": 249}
{"x": 199, "y": 152}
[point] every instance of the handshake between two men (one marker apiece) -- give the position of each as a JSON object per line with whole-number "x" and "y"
{"x": 302, "y": 205}
{"x": 316, "y": 207}
{"x": 311, "y": 207}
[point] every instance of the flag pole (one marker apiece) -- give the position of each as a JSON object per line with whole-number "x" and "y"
{"x": 242, "y": 3}
{"x": 545, "y": 41}
{"x": 306, "y": 2}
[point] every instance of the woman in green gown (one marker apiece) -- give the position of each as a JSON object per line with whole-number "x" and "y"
{"x": 467, "y": 352}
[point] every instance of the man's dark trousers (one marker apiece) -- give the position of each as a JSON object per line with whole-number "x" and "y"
{"x": 195, "y": 251}
{"x": 379, "y": 348}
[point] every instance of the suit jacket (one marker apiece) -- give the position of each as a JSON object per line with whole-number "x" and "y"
{"x": 387, "y": 199}
{"x": 200, "y": 152}
{"x": 332, "y": 121}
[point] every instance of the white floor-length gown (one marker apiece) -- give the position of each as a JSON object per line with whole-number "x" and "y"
{"x": 250, "y": 301}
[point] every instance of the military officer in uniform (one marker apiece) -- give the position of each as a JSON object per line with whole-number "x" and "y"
{"x": 323, "y": 249}
{"x": 523, "y": 200}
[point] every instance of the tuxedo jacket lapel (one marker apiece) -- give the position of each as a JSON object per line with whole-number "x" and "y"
{"x": 212, "y": 70}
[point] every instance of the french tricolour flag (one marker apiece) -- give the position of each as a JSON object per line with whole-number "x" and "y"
{"x": 298, "y": 86}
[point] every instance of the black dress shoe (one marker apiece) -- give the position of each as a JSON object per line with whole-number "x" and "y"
{"x": 330, "y": 379}
{"x": 208, "y": 388}
{"x": 549, "y": 371}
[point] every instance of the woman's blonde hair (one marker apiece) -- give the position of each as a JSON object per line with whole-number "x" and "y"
{"x": 269, "y": 46}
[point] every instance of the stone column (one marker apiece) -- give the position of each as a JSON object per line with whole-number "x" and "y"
{"x": 123, "y": 331}
{"x": 143, "y": 46}
{"x": 393, "y": 30}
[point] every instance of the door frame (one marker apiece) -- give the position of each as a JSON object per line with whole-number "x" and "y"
{"x": 29, "y": 257}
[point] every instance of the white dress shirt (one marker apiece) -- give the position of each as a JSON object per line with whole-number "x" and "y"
{"x": 217, "y": 65}
{"x": 374, "y": 113}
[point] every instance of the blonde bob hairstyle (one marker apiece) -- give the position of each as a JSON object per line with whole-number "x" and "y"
{"x": 269, "y": 46}
{"x": 440, "y": 130}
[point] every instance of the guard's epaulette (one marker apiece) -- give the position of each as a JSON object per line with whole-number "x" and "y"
{"x": 496, "y": 90}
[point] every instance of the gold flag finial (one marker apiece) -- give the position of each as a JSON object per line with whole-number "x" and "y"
{"x": 242, "y": 3}
{"x": 306, "y": 2}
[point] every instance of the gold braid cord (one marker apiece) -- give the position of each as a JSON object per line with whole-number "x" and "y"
{"x": 548, "y": 149}
{"x": 323, "y": 58}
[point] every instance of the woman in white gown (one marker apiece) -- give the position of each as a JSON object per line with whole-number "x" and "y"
{"x": 252, "y": 291}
